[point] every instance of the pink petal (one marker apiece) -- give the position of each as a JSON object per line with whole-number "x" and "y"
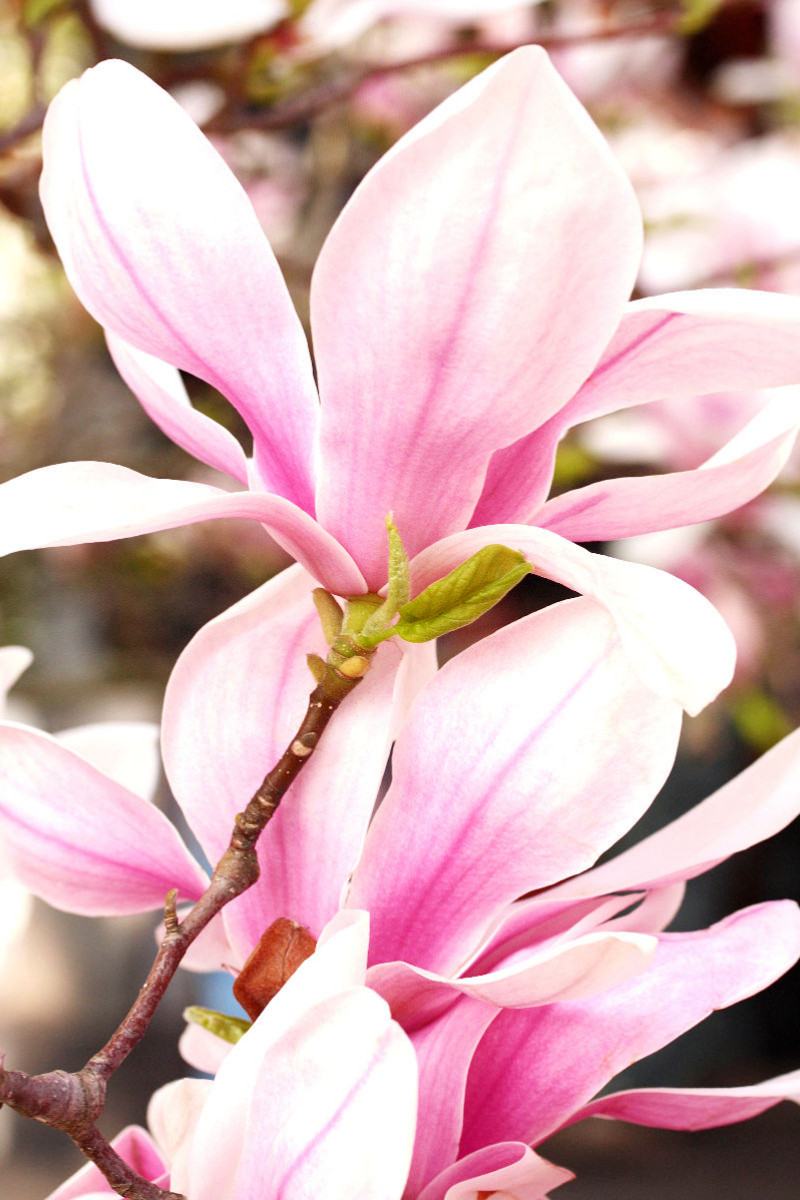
{"x": 505, "y": 1169}
{"x": 476, "y": 816}
{"x": 161, "y": 244}
{"x": 233, "y": 704}
{"x": 161, "y": 393}
{"x": 530, "y": 922}
{"x": 134, "y": 1145}
{"x": 654, "y": 914}
{"x": 534, "y": 1069}
{"x": 202, "y": 1049}
{"x": 519, "y": 476}
{"x": 467, "y": 289}
{"x": 618, "y": 508}
{"x": 333, "y": 1114}
{"x": 444, "y": 1050}
{"x": 80, "y": 841}
{"x": 689, "y": 343}
{"x": 694, "y": 1108}
{"x": 77, "y": 502}
{"x": 696, "y": 342}
{"x": 759, "y": 802}
{"x": 172, "y": 1114}
{"x": 677, "y": 641}
{"x": 572, "y": 971}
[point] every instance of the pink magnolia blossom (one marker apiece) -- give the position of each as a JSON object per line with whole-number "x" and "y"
{"x": 322, "y": 1089}
{"x": 468, "y": 307}
{"x": 522, "y": 976}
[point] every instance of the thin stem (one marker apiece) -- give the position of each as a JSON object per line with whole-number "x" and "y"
{"x": 317, "y": 100}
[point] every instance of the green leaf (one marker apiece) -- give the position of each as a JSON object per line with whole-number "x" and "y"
{"x": 462, "y": 596}
{"x": 230, "y": 1029}
{"x": 378, "y": 626}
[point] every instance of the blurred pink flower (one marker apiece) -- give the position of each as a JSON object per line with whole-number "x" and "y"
{"x": 187, "y": 24}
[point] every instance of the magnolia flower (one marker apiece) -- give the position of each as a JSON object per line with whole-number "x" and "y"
{"x": 488, "y": 804}
{"x": 468, "y": 306}
{"x": 319, "y": 1094}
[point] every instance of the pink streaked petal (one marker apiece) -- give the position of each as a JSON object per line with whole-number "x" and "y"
{"x": 496, "y": 1173}
{"x": 691, "y": 343}
{"x": 475, "y": 816}
{"x": 172, "y": 1115}
{"x": 519, "y": 476}
{"x": 444, "y": 327}
{"x": 528, "y": 923}
{"x": 753, "y": 806}
{"x": 319, "y": 1097}
{"x": 619, "y": 508}
{"x": 535, "y": 1069}
{"x": 677, "y": 641}
{"x": 80, "y": 841}
{"x": 444, "y": 1050}
{"x": 233, "y": 704}
{"x": 135, "y": 1145}
{"x": 572, "y": 971}
{"x": 13, "y": 661}
{"x": 654, "y": 914}
{"x": 162, "y": 245}
{"x": 333, "y": 1113}
{"x": 694, "y": 1108}
{"x": 77, "y": 502}
{"x": 338, "y": 965}
{"x": 125, "y": 751}
{"x": 161, "y": 393}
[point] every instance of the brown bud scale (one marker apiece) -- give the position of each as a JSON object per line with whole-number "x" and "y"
{"x": 281, "y": 950}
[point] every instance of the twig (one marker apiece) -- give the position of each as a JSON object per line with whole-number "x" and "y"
{"x": 315, "y": 101}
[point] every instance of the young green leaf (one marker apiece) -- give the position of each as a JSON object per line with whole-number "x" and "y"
{"x": 462, "y": 596}
{"x": 230, "y": 1029}
{"x": 378, "y": 626}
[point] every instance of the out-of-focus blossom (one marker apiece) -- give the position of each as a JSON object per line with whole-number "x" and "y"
{"x": 732, "y": 216}
{"x": 187, "y": 24}
{"x": 599, "y": 70}
{"x": 323, "y": 1087}
{"x": 454, "y": 345}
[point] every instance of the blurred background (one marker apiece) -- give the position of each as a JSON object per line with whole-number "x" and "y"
{"x": 701, "y": 102}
